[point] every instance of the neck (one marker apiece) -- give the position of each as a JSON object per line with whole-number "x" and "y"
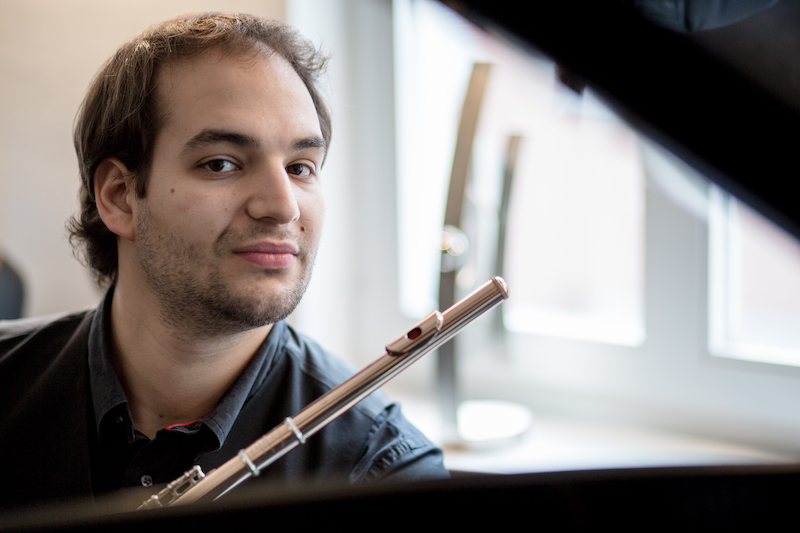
{"x": 168, "y": 376}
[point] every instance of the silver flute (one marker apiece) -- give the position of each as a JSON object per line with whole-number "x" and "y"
{"x": 428, "y": 334}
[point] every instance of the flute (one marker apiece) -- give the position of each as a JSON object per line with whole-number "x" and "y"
{"x": 429, "y": 333}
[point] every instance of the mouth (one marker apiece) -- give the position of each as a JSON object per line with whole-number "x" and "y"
{"x": 269, "y": 255}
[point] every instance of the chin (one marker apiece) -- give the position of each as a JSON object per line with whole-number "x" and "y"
{"x": 258, "y": 307}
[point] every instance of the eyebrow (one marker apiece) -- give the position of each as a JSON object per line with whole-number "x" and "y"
{"x": 213, "y": 136}
{"x": 310, "y": 142}
{"x": 210, "y": 136}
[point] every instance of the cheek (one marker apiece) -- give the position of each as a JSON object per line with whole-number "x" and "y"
{"x": 313, "y": 216}
{"x": 198, "y": 216}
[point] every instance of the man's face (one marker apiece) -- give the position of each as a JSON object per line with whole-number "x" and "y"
{"x": 227, "y": 234}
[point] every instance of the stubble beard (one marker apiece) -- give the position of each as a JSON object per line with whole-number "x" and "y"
{"x": 204, "y": 305}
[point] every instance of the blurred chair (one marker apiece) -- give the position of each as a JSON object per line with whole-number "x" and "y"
{"x": 12, "y": 292}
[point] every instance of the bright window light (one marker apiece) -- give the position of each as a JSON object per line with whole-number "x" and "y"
{"x": 754, "y": 284}
{"x": 576, "y": 232}
{"x": 575, "y": 253}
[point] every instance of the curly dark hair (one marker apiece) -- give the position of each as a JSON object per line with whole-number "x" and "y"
{"x": 121, "y": 115}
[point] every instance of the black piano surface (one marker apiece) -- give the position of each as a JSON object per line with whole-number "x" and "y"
{"x": 709, "y": 497}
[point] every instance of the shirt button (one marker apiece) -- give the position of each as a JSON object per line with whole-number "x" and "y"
{"x": 147, "y": 481}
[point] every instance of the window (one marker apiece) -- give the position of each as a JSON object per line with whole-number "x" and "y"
{"x": 575, "y": 258}
{"x": 754, "y": 285}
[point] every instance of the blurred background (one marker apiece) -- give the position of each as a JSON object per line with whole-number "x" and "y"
{"x": 652, "y": 319}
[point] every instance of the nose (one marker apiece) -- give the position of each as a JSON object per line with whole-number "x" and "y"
{"x": 272, "y": 196}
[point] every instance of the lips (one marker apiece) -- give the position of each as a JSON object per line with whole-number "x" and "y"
{"x": 269, "y": 255}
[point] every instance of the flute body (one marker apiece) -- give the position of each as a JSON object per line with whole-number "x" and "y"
{"x": 432, "y": 331}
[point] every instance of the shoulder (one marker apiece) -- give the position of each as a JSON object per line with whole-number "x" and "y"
{"x": 320, "y": 364}
{"x": 34, "y": 341}
{"x": 389, "y": 446}
{"x": 14, "y": 331}
{"x": 44, "y": 402}
{"x": 324, "y": 370}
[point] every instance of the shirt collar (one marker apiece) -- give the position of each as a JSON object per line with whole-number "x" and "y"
{"x": 107, "y": 392}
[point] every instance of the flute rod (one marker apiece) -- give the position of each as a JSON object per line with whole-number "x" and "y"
{"x": 428, "y": 334}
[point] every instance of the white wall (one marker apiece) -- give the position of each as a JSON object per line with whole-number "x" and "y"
{"x": 351, "y": 305}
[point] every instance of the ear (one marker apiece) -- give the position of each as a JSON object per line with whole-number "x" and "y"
{"x": 114, "y": 194}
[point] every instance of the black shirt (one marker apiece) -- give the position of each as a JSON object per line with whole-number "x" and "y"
{"x": 128, "y": 458}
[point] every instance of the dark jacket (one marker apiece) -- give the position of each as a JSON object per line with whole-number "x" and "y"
{"x": 48, "y": 432}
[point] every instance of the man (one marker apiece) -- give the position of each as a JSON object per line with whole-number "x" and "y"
{"x": 201, "y": 144}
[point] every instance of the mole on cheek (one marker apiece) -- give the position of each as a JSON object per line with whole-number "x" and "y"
{"x": 172, "y": 190}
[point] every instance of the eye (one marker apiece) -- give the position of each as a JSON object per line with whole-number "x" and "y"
{"x": 299, "y": 169}
{"x": 220, "y": 165}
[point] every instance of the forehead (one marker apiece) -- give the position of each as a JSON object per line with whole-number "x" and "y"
{"x": 255, "y": 87}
